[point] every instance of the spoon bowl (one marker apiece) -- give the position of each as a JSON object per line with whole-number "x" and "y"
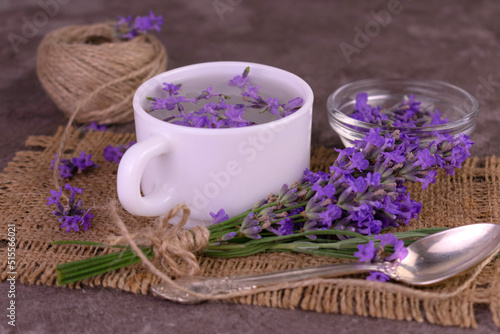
{"x": 431, "y": 259}
{"x": 447, "y": 253}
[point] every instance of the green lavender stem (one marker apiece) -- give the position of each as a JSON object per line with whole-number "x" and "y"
{"x": 79, "y": 270}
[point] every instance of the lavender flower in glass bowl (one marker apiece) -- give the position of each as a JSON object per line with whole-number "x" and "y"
{"x": 453, "y": 103}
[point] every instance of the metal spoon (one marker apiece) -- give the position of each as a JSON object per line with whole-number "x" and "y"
{"x": 430, "y": 259}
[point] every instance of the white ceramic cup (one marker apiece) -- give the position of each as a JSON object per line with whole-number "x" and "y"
{"x": 213, "y": 169}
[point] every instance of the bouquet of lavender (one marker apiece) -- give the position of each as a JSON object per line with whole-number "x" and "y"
{"x": 338, "y": 214}
{"x": 363, "y": 194}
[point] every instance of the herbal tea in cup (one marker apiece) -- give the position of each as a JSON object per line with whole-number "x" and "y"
{"x": 210, "y": 156}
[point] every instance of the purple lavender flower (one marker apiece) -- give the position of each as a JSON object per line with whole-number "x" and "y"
{"x": 425, "y": 159}
{"x": 73, "y": 190}
{"x": 228, "y": 236}
{"x": 437, "y": 119}
{"x": 374, "y": 138}
{"x": 83, "y": 162}
{"x": 72, "y": 215}
{"x": 313, "y": 177}
{"x": 171, "y": 88}
{"x": 240, "y": 80}
{"x": 169, "y": 103}
{"x": 310, "y": 225}
{"x": 332, "y": 213}
{"x": 327, "y": 191}
{"x": 366, "y": 252}
{"x": 250, "y": 227}
{"x": 364, "y": 110}
{"x": 115, "y": 153}
{"x": 273, "y": 106}
{"x": 313, "y": 209}
{"x": 70, "y": 223}
{"x": 56, "y": 195}
{"x": 373, "y": 179}
{"x": 378, "y": 276}
{"x": 285, "y": 227}
{"x": 397, "y": 155}
{"x": 96, "y": 126}
{"x": 235, "y": 114}
{"x": 400, "y": 251}
{"x": 68, "y": 168}
{"x": 428, "y": 179}
{"x": 150, "y": 22}
{"x": 287, "y": 197}
{"x": 252, "y": 91}
{"x": 65, "y": 170}
{"x": 219, "y": 216}
{"x": 207, "y": 93}
{"x": 292, "y": 106}
{"x": 86, "y": 220}
{"x": 129, "y": 27}
{"x": 358, "y": 161}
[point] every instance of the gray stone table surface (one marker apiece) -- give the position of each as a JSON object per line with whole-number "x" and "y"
{"x": 452, "y": 41}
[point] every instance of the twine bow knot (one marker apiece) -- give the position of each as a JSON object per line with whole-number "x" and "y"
{"x": 174, "y": 245}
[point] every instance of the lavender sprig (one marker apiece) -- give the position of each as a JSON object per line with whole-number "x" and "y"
{"x": 130, "y": 27}
{"x": 94, "y": 126}
{"x": 71, "y": 216}
{"x": 115, "y": 153}
{"x": 77, "y": 165}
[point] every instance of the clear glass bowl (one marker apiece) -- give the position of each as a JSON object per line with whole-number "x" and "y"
{"x": 460, "y": 107}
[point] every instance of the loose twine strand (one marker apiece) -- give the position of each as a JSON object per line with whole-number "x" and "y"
{"x": 181, "y": 250}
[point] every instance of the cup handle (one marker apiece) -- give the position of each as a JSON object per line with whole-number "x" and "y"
{"x": 130, "y": 171}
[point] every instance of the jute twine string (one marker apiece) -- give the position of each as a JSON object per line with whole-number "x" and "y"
{"x": 171, "y": 243}
{"x": 86, "y": 67}
{"x": 201, "y": 234}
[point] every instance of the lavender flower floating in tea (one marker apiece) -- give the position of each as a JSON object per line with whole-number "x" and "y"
{"x": 243, "y": 106}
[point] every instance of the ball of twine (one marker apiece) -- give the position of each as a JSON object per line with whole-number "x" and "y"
{"x": 88, "y": 71}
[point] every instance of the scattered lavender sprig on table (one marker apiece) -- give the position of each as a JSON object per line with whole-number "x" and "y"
{"x": 407, "y": 113}
{"x": 130, "y": 27}
{"x": 96, "y": 127}
{"x": 218, "y": 113}
{"x": 77, "y": 165}
{"x": 115, "y": 153}
{"x": 71, "y": 216}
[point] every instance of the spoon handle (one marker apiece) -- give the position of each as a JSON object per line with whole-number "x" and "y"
{"x": 220, "y": 286}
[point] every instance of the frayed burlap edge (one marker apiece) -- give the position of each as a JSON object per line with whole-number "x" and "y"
{"x": 472, "y": 196}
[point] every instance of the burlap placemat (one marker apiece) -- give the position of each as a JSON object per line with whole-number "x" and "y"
{"x": 472, "y": 196}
